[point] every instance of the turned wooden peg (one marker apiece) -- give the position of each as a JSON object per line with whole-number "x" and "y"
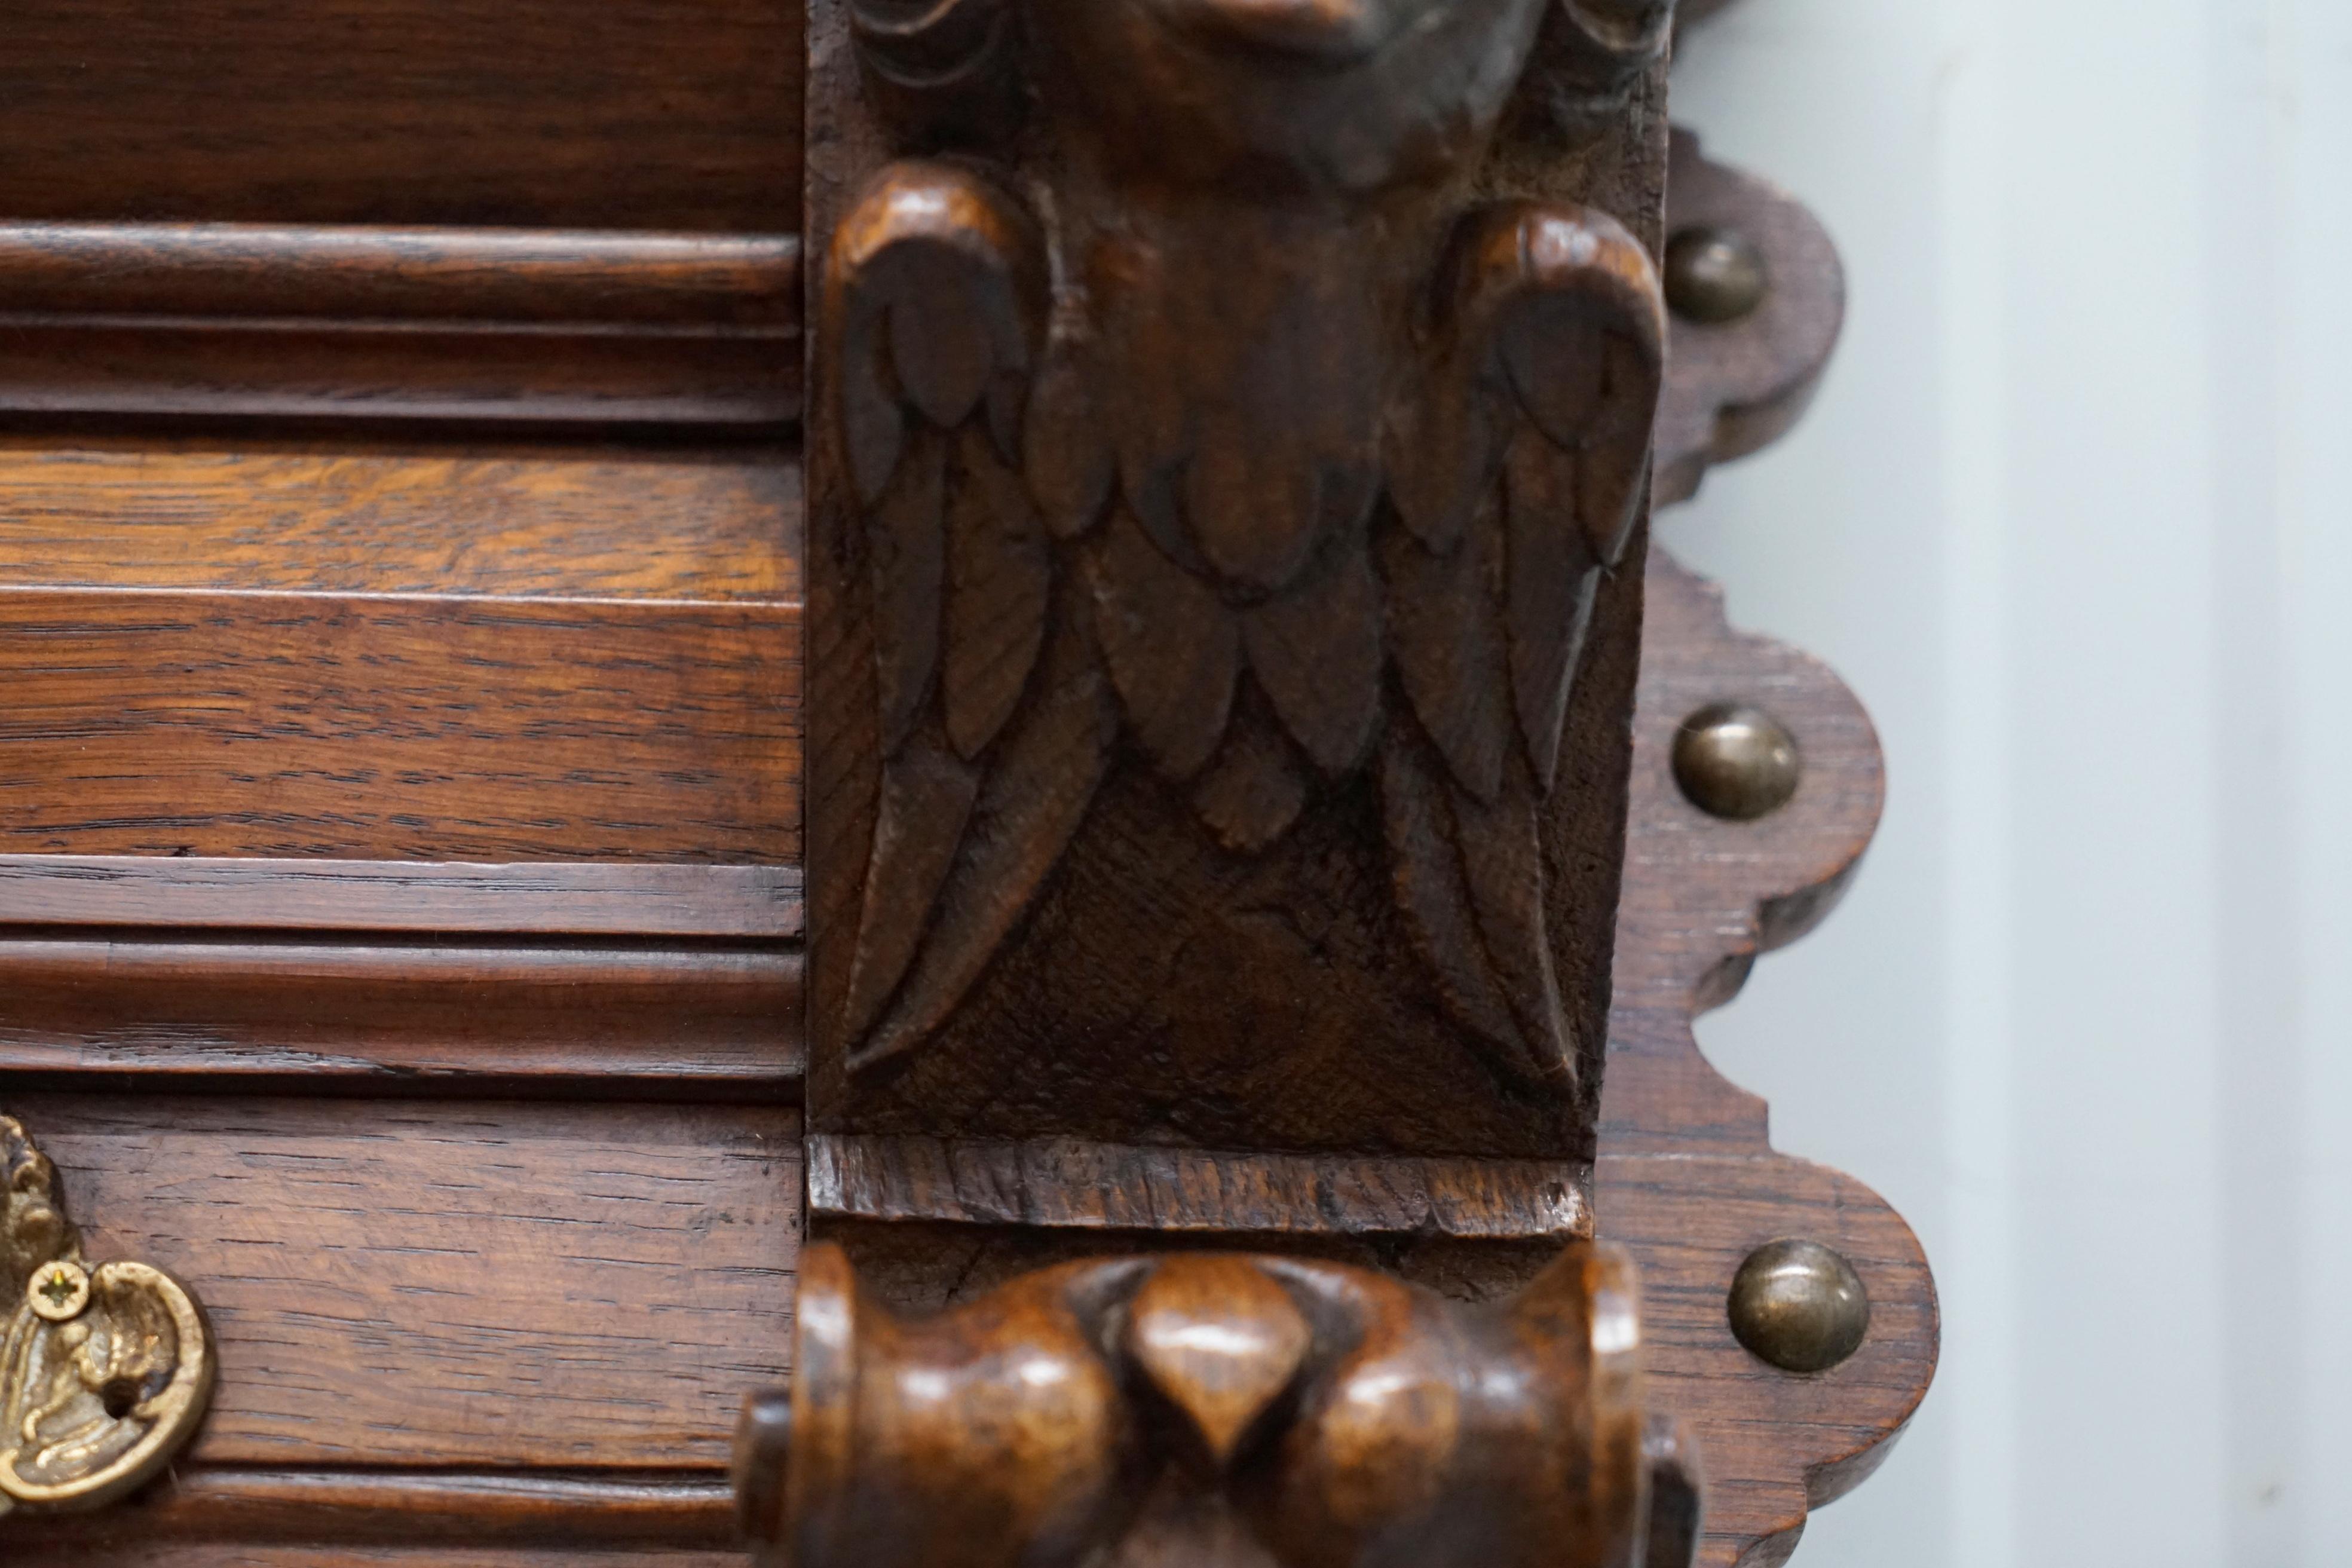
{"x": 1216, "y": 1409}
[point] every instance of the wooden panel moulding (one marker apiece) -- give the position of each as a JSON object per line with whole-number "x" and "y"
{"x": 369, "y": 322}
{"x": 750, "y": 904}
{"x": 381, "y": 1016}
{"x": 623, "y": 1511}
{"x": 646, "y": 114}
{"x": 445, "y": 516}
{"x": 398, "y": 728}
{"x": 488, "y": 1286}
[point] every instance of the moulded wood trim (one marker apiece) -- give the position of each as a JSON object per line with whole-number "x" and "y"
{"x": 553, "y": 899}
{"x": 595, "y": 326}
{"x": 538, "y": 1508}
{"x": 1076, "y": 1184}
{"x": 611, "y": 277}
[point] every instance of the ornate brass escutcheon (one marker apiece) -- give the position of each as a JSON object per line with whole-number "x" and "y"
{"x": 106, "y": 1369}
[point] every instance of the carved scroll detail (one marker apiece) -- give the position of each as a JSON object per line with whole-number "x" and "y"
{"x": 105, "y": 1371}
{"x": 1221, "y": 1411}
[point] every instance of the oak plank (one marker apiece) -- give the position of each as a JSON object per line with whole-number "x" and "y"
{"x": 551, "y": 899}
{"x": 489, "y": 1286}
{"x": 398, "y": 727}
{"x": 1071, "y": 1183}
{"x": 680, "y": 114}
{"x": 317, "y": 1017}
{"x": 613, "y": 279}
{"x": 416, "y": 517}
{"x": 364, "y": 1508}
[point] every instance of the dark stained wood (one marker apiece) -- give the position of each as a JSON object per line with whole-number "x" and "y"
{"x": 442, "y": 516}
{"x": 320, "y": 1016}
{"x": 358, "y": 1507}
{"x": 119, "y": 367}
{"x": 145, "y": 1553}
{"x": 542, "y": 898}
{"x": 1735, "y": 387}
{"x": 1270, "y": 741}
{"x": 1068, "y": 1184}
{"x": 668, "y": 114}
{"x": 397, "y": 727}
{"x": 380, "y": 322}
{"x": 612, "y": 279}
{"x": 1687, "y": 1177}
{"x": 1219, "y": 1411}
{"x": 486, "y": 1286}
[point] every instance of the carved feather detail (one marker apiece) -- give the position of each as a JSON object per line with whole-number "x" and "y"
{"x": 1054, "y": 549}
{"x": 1516, "y": 479}
{"x": 999, "y": 573}
{"x": 1173, "y": 648}
{"x": 1042, "y": 784}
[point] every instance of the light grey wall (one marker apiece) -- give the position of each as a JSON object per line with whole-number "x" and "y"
{"x": 2074, "y": 515}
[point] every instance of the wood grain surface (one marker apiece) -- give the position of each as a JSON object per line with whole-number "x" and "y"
{"x": 1074, "y": 1186}
{"x": 115, "y": 368}
{"x": 331, "y": 1509}
{"x": 397, "y": 727}
{"x": 1214, "y": 733}
{"x": 544, "y": 899}
{"x": 612, "y": 279}
{"x": 673, "y": 114}
{"x": 1733, "y": 387}
{"x": 490, "y": 1285}
{"x": 628, "y": 1020}
{"x": 445, "y": 516}
{"x": 145, "y": 1552}
{"x": 1687, "y": 1177}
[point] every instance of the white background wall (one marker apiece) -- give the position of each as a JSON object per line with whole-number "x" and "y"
{"x": 2073, "y": 514}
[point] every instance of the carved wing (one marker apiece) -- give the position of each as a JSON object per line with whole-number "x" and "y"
{"x": 994, "y": 721}
{"x": 1516, "y": 477}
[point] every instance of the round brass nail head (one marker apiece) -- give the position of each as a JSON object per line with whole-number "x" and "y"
{"x": 1736, "y": 761}
{"x": 1800, "y": 1305}
{"x": 59, "y": 1291}
{"x": 1715, "y": 276}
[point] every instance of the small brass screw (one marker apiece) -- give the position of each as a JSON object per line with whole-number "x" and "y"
{"x": 61, "y": 1291}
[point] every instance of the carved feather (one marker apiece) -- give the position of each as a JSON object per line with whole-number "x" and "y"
{"x": 1315, "y": 651}
{"x": 1173, "y": 650}
{"x": 1256, "y": 787}
{"x": 1517, "y": 474}
{"x": 1501, "y": 847}
{"x": 1070, "y": 466}
{"x": 928, "y": 792}
{"x": 905, "y": 554}
{"x": 936, "y": 284}
{"x": 1039, "y": 787}
{"x": 1433, "y": 895}
{"x": 1554, "y": 581}
{"x": 1446, "y": 637}
{"x": 999, "y": 573}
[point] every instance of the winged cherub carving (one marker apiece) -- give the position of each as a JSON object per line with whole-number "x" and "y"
{"x": 1244, "y": 437}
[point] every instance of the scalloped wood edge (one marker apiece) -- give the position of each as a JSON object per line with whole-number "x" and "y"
{"x": 1736, "y": 388}
{"x": 1687, "y": 1176}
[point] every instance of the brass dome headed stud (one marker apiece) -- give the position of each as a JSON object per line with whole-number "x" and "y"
{"x": 1800, "y": 1305}
{"x": 1736, "y": 761}
{"x": 1715, "y": 276}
